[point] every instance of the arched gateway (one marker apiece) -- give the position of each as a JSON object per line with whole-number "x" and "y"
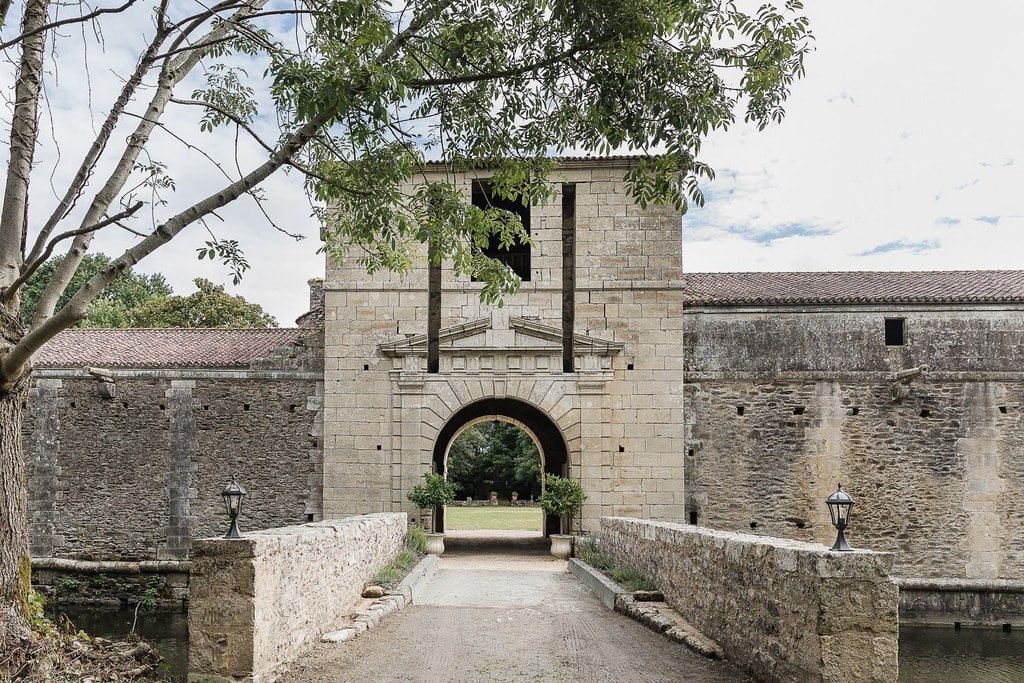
{"x": 554, "y": 452}
{"x": 587, "y": 356}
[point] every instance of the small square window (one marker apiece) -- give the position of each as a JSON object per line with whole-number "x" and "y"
{"x": 895, "y": 331}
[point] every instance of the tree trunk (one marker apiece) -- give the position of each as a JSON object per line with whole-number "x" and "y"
{"x": 15, "y": 563}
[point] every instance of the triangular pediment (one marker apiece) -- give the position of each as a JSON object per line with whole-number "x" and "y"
{"x": 523, "y": 336}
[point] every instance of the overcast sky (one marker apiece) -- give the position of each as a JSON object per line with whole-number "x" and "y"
{"x": 900, "y": 151}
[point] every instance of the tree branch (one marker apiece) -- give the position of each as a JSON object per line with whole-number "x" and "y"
{"x": 26, "y": 273}
{"x": 63, "y": 22}
{"x": 5, "y": 7}
{"x": 88, "y": 165}
{"x": 14, "y": 364}
{"x": 171, "y": 74}
{"x": 23, "y": 139}
{"x": 241, "y": 123}
{"x": 511, "y": 73}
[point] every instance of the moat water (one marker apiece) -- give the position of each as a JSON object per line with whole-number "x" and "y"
{"x": 944, "y": 655}
{"x": 927, "y": 654}
{"x": 166, "y": 630}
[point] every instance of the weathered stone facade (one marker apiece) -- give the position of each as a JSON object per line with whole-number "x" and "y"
{"x": 614, "y": 421}
{"x": 128, "y": 462}
{"x": 785, "y": 400}
{"x": 259, "y": 602}
{"x": 781, "y": 610}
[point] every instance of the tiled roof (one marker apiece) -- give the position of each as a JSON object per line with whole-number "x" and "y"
{"x": 163, "y": 348}
{"x": 874, "y": 287}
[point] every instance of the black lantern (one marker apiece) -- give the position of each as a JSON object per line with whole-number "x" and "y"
{"x": 839, "y": 506}
{"x": 233, "y": 494}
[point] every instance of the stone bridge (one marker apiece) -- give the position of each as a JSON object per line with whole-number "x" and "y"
{"x": 778, "y": 610}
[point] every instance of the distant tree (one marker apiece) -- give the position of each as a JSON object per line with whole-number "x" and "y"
{"x": 208, "y": 306}
{"x": 494, "y": 456}
{"x": 114, "y": 301}
{"x": 465, "y": 462}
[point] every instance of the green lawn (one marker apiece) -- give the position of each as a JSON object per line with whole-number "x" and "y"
{"x": 493, "y": 517}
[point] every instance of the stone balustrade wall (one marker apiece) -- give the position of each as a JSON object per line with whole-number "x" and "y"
{"x": 783, "y": 610}
{"x": 259, "y": 602}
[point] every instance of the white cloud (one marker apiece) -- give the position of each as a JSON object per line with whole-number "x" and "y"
{"x": 903, "y": 132}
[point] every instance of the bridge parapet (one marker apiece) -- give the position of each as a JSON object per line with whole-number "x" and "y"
{"x": 783, "y": 610}
{"x": 259, "y": 602}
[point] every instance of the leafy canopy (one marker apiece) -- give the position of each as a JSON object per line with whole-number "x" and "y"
{"x": 494, "y": 456}
{"x": 111, "y": 307}
{"x": 208, "y": 306}
{"x": 506, "y": 85}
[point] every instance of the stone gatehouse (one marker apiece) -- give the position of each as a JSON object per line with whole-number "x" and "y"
{"x": 587, "y": 357}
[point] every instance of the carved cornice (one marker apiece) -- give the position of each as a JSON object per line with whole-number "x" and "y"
{"x": 584, "y": 345}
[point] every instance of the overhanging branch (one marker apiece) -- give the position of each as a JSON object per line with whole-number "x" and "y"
{"x": 33, "y": 266}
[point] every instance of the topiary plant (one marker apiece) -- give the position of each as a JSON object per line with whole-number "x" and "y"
{"x": 437, "y": 491}
{"x": 563, "y": 496}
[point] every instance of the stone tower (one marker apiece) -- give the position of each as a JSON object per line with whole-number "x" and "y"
{"x": 586, "y": 357}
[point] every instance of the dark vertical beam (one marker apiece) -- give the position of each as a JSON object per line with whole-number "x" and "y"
{"x": 434, "y": 317}
{"x": 568, "y": 274}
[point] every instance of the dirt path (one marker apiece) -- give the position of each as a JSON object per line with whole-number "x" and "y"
{"x": 497, "y": 612}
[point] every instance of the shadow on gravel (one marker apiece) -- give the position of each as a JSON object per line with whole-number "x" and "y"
{"x": 522, "y": 544}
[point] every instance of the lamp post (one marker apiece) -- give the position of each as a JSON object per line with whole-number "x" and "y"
{"x": 233, "y": 494}
{"x": 839, "y": 506}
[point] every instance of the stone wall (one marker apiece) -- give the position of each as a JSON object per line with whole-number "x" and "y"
{"x": 258, "y": 602}
{"x": 154, "y": 583}
{"x": 618, "y": 415}
{"x": 961, "y": 602}
{"x": 784, "y": 403}
{"x": 782, "y": 610}
{"x": 137, "y": 474}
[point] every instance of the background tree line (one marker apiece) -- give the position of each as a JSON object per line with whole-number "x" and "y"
{"x": 138, "y": 300}
{"x": 494, "y": 456}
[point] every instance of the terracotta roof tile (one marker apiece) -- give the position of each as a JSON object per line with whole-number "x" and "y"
{"x": 163, "y": 348}
{"x": 867, "y": 287}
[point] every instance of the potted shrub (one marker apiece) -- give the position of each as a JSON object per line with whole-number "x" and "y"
{"x": 563, "y": 496}
{"x": 435, "y": 493}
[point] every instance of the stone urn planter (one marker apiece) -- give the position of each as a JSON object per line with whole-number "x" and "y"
{"x": 433, "y": 494}
{"x": 435, "y": 543}
{"x": 561, "y": 546}
{"x": 562, "y": 496}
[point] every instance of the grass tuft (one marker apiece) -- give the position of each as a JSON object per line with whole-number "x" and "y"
{"x": 405, "y": 560}
{"x": 590, "y": 551}
{"x": 416, "y": 540}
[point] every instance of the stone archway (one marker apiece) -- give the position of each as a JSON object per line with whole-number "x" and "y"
{"x": 551, "y": 443}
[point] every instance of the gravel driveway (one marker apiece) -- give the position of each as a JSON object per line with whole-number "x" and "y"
{"x": 502, "y": 609}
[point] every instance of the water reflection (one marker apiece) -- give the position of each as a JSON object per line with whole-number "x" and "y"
{"x": 165, "y": 630}
{"x": 973, "y": 654}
